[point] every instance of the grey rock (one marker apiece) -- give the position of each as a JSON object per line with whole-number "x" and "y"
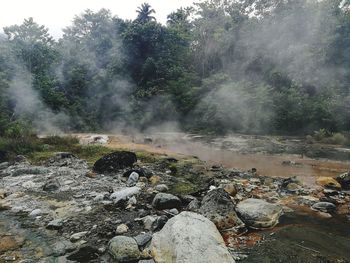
{"x": 324, "y": 207}
{"x": 123, "y": 249}
{"x": 125, "y": 193}
{"x": 194, "y": 205}
{"x": 153, "y": 223}
{"x": 161, "y": 188}
{"x": 77, "y": 236}
{"x": 51, "y": 185}
{"x": 133, "y": 179}
{"x": 29, "y": 170}
{"x": 257, "y": 213}
{"x": 146, "y": 261}
{"x": 218, "y": 207}
{"x": 189, "y": 238}
{"x": 166, "y": 201}
{"x": 55, "y": 224}
{"x": 122, "y": 229}
{"x": 143, "y": 239}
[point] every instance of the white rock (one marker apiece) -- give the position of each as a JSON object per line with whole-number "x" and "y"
{"x": 35, "y": 213}
{"x": 125, "y": 193}
{"x": 189, "y": 238}
{"x": 77, "y": 236}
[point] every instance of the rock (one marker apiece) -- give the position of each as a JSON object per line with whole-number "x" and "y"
{"x": 133, "y": 179}
{"x": 115, "y": 161}
{"x": 10, "y": 243}
{"x": 293, "y": 187}
{"x": 218, "y": 207}
{"x": 4, "y": 165}
{"x": 231, "y": 189}
{"x": 77, "y": 236}
{"x": 141, "y": 171}
{"x": 35, "y": 213}
{"x": 123, "y": 249}
{"x": 328, "y": 182}
{"x": 344, "y": 180}
{"x": 146, "y": 261}
{"x": 189, "y": 238}
{"x": 174, "y": 211}
{"x": 143, "y": 239}
{"x": 55, "y": 224}
{"x": 3, "y": 194}
{"x": 257, "y": 213}
{"x": 153, "y": 223}
{"x": 122, "y": 229}
{"x": 51, "y": 185}
{"x": 154, "y": 179}
{"x": 84, "y": 254}
{"x": 161, "y": 188}
{"x": 29, "y": 170}
{"x": 166, "y": 201}
{"x": 325, "y": 207}
{"x": 125, "y": 193}
{"x": 194, "y": 205}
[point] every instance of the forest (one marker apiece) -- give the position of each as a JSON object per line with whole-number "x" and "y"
{"x": 218, "y": 66}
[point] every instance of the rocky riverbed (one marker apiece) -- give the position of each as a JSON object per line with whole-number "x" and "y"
{"x": 166, "y": 209}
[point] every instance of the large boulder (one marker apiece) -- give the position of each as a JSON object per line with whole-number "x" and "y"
{"x": 218, "y": 207}
{"x": 257, "y": 213}
{"x": 189, "y": 238}
{"x": 344, "y": 180}
{"x": 115, "y": 161}
{"x": 166, "y": 201}
{"x": 123, "y": 249}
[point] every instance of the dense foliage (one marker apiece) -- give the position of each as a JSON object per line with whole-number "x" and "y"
{"x": 254, "y": 66}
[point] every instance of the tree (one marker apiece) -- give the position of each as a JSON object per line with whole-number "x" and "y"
{"x": 145, "y": 12}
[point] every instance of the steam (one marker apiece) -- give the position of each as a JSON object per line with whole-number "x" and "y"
{"x": 28, "y": 104}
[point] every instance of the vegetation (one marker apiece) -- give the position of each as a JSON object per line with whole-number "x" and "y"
{"x": 219, "y": 66}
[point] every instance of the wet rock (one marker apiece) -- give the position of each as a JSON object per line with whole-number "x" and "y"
{"x": 142, "y": 239}
{"x": 62, "y": 247}
{"x": 218, "y": 207}
{"x": 84, "y": 254}
{"x": 122, "y": 229}
{"x": 55, "y": 224}
{"x": 51, "y": 185}
{"x": 115, "y": 161}
{"x": 344, "y": 180}
{"x": 328, "y": 182}
{"x": 123, "y": 249}
{"x": 161, "y": 188}
{"x": 133, "y": 179}
{"x": 77, "y": 236}
{"x": 257, "y": 213}
{"x": 198, "y": 241}
{"x": 125, "y": 193}
{"x": 325, "y": 207}
{"x": 35, "y": 213}
{"x": 166, "y": 201}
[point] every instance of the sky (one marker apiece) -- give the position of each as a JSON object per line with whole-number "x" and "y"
{"x": 58, "y": 14}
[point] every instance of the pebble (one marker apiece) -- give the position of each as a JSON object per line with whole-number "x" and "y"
{"x": 122, "y": 229}
{"x": 77, "y": 236}
{"x": 35, "y": 213}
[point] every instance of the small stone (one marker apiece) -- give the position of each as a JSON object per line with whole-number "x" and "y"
{"x": 154, "y": 179}
{"x": 125, "y": 193}
{"x": 133, "y": 179}
{"x": 35, "y": 213}
{"x": 123, "y": 249}
{"x": 344, "y": 180}
{"x": 77, "y": 236}
{"x": 174, "y": 211}
{"x": 143, "y": 239}
{"x": 166, "y": 201}
{"x": 122, "y": 229}
{"x": 325, "y": 207}
{"x": 51, "y": 185}
{"x": 161, "y": 188}
{"x": 55, "y": 224}
{"x": 293, "y": 187}
{"x": 194, "y": 205}
{"x": 231, "y": 189}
